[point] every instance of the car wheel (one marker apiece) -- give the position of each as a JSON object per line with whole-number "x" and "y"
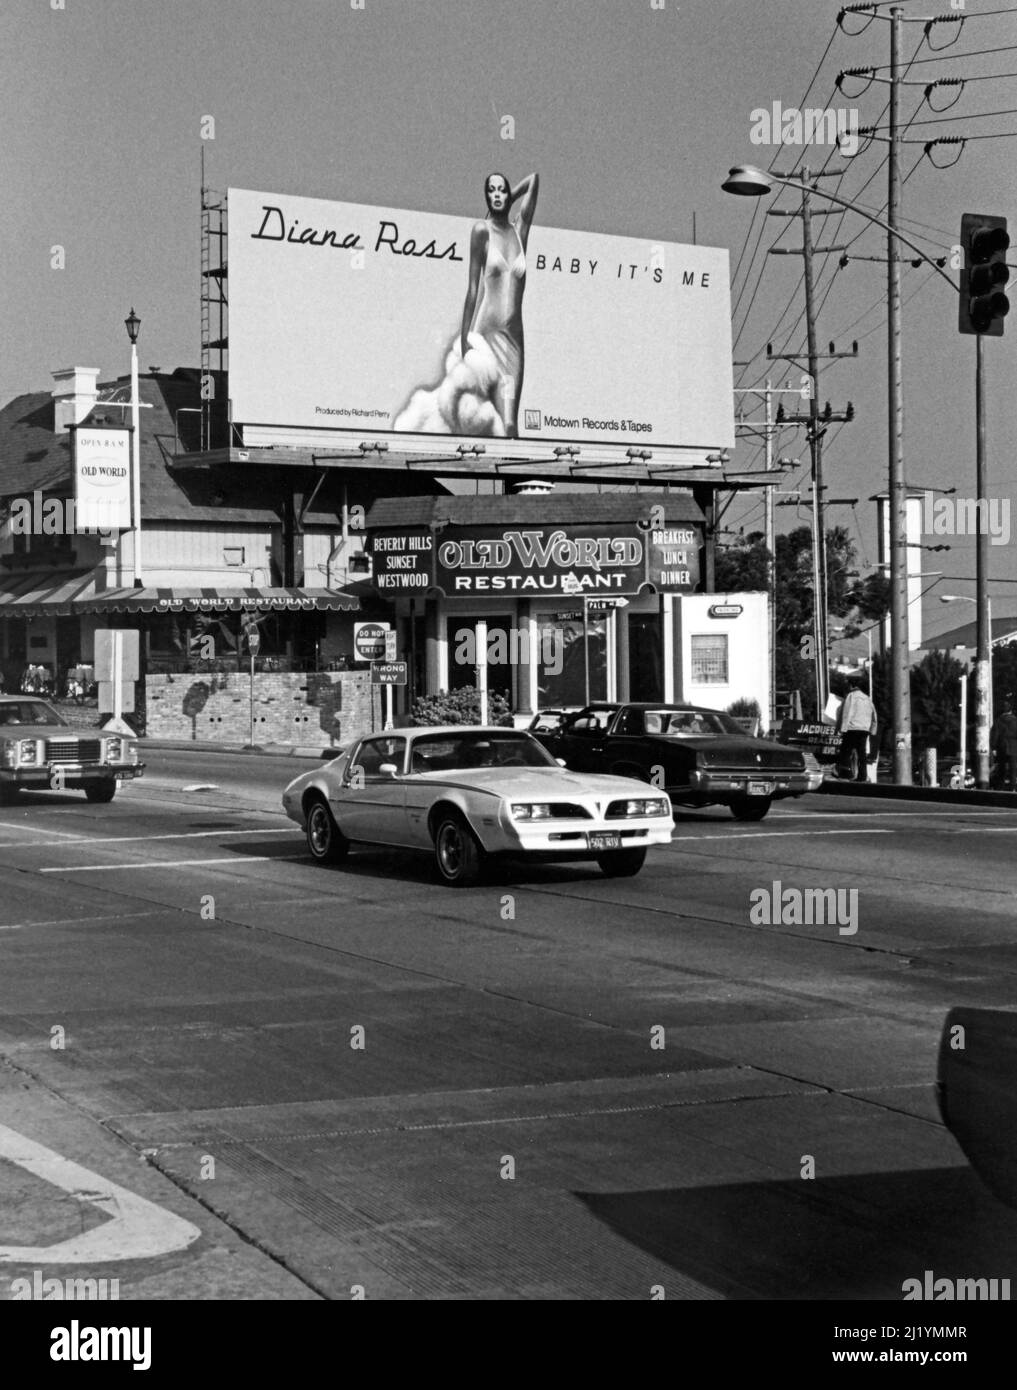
{"x": 621, "y": 863}
{"x": 750, "y": 807}
{"x": 8, "y": 793}
{"x": 459, "y": 857}
{"x": 325, "y": 841}
{"x": 101, "y": 791}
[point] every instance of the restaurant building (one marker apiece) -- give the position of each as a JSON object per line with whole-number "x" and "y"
{"x": 318, "y": 470}
{"x": 582, "y": 591}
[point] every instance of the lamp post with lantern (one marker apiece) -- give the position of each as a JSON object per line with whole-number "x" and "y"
{"x": 133, "y": 324}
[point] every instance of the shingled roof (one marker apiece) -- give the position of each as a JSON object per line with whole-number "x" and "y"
{"x": 33, "y": 456}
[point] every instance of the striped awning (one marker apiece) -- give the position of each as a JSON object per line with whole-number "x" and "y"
{"x": 218, "y": 600}
{"x": 65, "y": 593}
{"x": 37, "y": 595}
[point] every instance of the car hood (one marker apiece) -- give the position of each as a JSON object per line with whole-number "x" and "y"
{"x": 537, "y": 782}
{"x": 61, "y": 731}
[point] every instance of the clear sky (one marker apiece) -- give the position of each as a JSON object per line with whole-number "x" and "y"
{"x": 632, "y": 114}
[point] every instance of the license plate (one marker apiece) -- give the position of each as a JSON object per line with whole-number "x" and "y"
{"x": 123, "y": 776}
{"x": 607, "y": 840}
{"x": 760, "y": 789}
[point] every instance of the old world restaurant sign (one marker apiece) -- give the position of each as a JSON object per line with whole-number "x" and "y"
{"x": 527, "y": 560}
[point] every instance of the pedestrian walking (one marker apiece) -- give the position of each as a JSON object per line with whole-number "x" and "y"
{"x": 1004, "y": 745}
{"x": 856, "y": 721}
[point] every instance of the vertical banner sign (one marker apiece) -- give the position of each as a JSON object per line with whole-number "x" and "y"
{"x": 102, "y": 478}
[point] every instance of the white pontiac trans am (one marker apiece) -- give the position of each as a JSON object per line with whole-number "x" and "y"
{"x": 466, "y": 792}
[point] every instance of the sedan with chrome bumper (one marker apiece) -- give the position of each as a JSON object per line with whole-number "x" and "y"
{"x": 467, "y": 794}
{"x": 40, "y": 751}
{"x": 700, "y": 757}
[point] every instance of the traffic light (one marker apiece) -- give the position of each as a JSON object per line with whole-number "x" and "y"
{"x": 983, "y": 305}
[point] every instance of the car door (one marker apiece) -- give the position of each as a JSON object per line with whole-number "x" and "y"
{"x": 582, "y": 742}
{"x": 626, "y": 745}
{"x": 370, "y": 804}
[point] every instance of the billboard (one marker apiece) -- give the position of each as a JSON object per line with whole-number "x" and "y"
{"x": 102, "y": 478}
{"x": 530, "y": 561}
{"x": 428, "y": 329}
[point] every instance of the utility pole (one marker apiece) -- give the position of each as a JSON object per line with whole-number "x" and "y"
{"x": 815, "y": 436}
{"x": 900, "y": 644}
{"x": 769, "y": 428}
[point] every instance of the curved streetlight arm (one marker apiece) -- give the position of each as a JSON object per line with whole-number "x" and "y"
{"x": 853, "y": 207}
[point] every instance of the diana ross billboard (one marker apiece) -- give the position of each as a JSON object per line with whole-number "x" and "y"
{"x": 428, "y": 327}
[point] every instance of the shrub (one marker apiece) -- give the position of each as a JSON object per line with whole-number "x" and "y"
{"x": 460, "y": 706}
{"x": 745, "y": 709}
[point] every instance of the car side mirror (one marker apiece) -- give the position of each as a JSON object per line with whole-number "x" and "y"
{"x": 388, "y": 770}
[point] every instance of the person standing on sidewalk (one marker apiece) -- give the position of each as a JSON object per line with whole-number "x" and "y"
{"x": 1004, "y": 745}
{"x": 856, "y": 721}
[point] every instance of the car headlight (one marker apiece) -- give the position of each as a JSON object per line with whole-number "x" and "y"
{"x": 654, "y": 807}
{"x": 530, "y": 810}
{"x": 28, "y": 751}
{"x": 114, "y": 750}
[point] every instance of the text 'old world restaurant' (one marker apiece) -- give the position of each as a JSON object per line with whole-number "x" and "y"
{"x": 582, "y": 596}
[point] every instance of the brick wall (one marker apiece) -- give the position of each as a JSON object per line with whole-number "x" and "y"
{"x": 326, "y": 708}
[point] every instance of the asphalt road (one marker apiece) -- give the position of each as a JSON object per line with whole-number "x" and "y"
{"x": 231, "y": 1073}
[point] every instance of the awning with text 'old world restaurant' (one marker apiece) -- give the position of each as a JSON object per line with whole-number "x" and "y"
{"x": 69, "y": 593}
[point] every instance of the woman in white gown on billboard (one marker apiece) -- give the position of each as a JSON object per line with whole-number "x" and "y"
{"x": 484, "y": 369}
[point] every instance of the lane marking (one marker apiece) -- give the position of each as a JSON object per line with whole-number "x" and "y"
{"x": 137, "y": 1229}
{"x": 169, "y": 835}
{"x": 772, "y": 834}
{"x": 985, "y": 830}
{"x": 29, "y": 829}
{"x": 77, "y": 921}
{"x": 911, "y": 815}
{"x": 235, "y": 860}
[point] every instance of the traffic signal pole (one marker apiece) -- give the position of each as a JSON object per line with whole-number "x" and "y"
{"x": 983, "y": 658}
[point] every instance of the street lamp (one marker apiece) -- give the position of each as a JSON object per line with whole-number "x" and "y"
{"x": 746, "y": 181}
{"x": 983, "y": 708}
{"x": 133, "y": 324}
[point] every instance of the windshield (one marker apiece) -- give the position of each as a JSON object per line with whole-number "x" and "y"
{"x": 458, "y": 752}
{"x": 690, "y": 723}
{"x": 29, "y": 712}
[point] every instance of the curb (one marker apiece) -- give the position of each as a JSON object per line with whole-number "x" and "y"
{"x": 895, "y": 792}
{"x": 275, "y": 750}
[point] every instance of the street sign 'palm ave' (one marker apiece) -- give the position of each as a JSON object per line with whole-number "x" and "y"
{"x": 983, "y": 305}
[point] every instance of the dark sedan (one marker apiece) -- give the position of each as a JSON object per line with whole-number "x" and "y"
{"x": 701, "y": 757}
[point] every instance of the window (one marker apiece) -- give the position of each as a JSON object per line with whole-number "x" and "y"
{"x": 709, "y": 659}
{"x": 233, "y": 554}
{"x": 375, "y": 751}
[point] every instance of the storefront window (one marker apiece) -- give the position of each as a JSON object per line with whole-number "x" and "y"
{"x": 561, "y": 668}
{"x": 213, "y": 642}
{"x": 709, "y": 659}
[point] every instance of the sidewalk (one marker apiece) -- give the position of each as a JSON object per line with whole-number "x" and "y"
{"x": 896, "y": 792}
